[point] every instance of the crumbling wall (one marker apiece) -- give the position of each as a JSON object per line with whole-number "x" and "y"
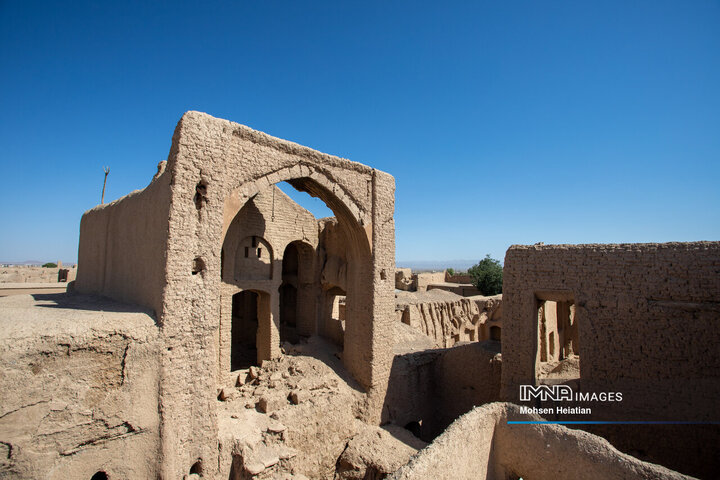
{"x": 34, "y": 274}
{"x": 462, "y": 289}
{"x": 647, "y": 317}
{"x": 466, "y": 376}
{"x": 448, "y": 318}
{"x": 458, "y": 278}
{"x": 481, "y": 444}
{"x": 426, "y": 278}
{"x": 211, "y": 160}
{"x": 79, "y": 388}
{"x": 405, "y": 280}
{"x": 162, "y": 248}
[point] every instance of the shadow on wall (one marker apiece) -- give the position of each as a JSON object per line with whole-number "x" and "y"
{"x": 481, "y": 444}
{"x": 430, "y": 389}
{"x": 76, "y": 301}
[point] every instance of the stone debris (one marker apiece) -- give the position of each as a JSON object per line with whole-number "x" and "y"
{"x": 299, "y": 396}
{"x": 276, "y": 427}
{"x": 271, "y": 403}
{"x": 225, "y": 394}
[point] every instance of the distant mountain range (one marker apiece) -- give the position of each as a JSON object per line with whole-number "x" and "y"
{"x": 436, "y": 265}
{"x": 33, "y": 262}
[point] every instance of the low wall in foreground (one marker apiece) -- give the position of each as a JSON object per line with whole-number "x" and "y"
{"x": 481, "y": 444}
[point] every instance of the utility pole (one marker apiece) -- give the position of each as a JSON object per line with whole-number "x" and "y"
{"x": 102, "y": 199}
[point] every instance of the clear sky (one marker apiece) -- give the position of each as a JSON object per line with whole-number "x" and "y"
{"x": 504, "y": 122}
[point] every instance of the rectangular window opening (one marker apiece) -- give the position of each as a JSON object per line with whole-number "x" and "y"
{"x": 558, "y": 354}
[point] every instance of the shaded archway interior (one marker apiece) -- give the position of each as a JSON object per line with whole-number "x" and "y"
{"x": 287, "y": 275}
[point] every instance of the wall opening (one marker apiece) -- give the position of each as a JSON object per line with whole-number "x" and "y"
{"x": 288, "y": 313}
{"x": 495, "y": 333}
{"x": 100, "y": 476}
{"x": 196, "y": 468}
{"x": 334, "y": 316}
{"x": 314, "y": 205}
{"x": 198, "y": 266}
{"x": 414, "y": 427}
{"x": 243, "y": 350}
{"x": 296, "y": 291}
{"x": 471, "y": 334}
{"x": 558, "y": 356}
{"x": 200, "y": 194}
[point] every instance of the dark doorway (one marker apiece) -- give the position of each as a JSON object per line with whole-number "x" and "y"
{"x": 243, "y": 351}
{"x": 333, "y": 320}
{"x": 288, "y": 313}
{"x": 289, "y": 294}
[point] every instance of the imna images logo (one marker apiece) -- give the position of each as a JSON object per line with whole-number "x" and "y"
{"x": 559, "y": 393}
{"x": 545, "y": 392}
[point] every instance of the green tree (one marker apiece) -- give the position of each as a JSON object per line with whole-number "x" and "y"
{"x": 487, "y": 276}
{"x": 451, "y": 271}
{"x": 50, "y": 265}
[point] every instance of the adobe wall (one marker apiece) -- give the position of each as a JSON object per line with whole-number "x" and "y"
{"x": 79, "y": 388}
{"x": 434, "y": 387}
{"x": 647, "y": 317}
{"x": 34, "y": 274}
{"x": 462, "y": 289}
{"x": 123, "y": 246}
{"x": 405, "y": 280}
{"x": 448, "y": 318}
{"x": 426, "y": 278}
{"x": 210, "y": 160}
{"x": 161, "y": 247}
{"x": 458, "y": 278}
{"x": 481, "y": 444}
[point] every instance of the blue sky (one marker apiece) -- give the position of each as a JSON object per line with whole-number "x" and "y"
{"x": 503, "y": 122}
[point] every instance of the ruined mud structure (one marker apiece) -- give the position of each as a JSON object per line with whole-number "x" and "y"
{"x": 640, "y": 319}
{"x": 448, "y": 318}
{"x": 218, "y": 330}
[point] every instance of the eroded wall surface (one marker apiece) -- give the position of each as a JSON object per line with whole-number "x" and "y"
{"x": 79, "y": 383}
{"x": 647, "y": 318}
{"x": 481, "y": 444}
{"x": 448, "y": 318}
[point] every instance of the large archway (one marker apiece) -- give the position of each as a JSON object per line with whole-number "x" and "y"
{"x": 213, "y": 162}
{"x": 351, "y": 269}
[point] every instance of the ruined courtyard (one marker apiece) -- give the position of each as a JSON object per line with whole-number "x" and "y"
{"x": 217, "y": 329}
